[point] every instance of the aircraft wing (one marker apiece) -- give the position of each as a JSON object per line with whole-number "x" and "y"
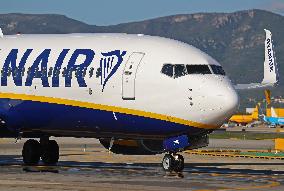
{"x": 271, "y": 76}
{"x": 254, "y": 86}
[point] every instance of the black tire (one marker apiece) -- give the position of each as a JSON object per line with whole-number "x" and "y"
{"x": 168, "y": 163}
{"x": 179, "y": 163}
{"x": 31, "y": 152}
{"x": 50, "y": 153}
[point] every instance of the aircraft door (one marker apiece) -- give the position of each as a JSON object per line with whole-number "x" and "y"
{"x": 129, "y": 75}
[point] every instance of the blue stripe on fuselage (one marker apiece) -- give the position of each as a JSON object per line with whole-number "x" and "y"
{"x": 33, "y": 115}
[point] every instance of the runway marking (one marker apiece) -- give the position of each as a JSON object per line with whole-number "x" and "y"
{"x": 217, "y": 154}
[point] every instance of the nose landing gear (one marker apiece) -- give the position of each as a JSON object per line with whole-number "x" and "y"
{"x": 173, "y": 162}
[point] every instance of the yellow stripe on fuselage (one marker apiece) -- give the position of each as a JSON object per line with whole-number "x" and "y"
{"x": 68, "y": 102}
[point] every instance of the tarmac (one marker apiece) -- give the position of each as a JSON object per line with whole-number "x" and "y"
{"x": 86, "y": 165}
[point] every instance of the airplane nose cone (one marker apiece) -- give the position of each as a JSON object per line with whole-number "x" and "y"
{"x": 229, "y": 101}
{"x": 219, "y": 102}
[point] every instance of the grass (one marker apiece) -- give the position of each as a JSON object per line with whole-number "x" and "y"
{"x": 266, "y": 154}
{"x": 245, "y": 135}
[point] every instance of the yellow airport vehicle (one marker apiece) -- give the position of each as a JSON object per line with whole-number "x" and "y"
{"x": 245, "y": 119}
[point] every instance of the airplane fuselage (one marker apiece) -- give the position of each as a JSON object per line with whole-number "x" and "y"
{"x": 111, "y": 85}
{"x": 274, "y": 120}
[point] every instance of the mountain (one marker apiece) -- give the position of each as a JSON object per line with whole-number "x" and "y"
{"x": 41, "y": 24}
{"x": 236, "y": 39}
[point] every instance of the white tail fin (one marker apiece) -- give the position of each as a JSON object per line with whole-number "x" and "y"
{"x": 271, "y": 76}
{"x": 270, "y": 66}
{"x": 273, "y": 112}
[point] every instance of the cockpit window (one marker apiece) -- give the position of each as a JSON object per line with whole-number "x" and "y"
{"x": 180, "y": 70}
{"x": 168, "y": 69}
{"x": 218, "y": 70}
{"x": 198, "y": 69}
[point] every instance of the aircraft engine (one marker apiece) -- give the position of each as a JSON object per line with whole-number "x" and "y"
{"x": 148, "y": 147}
{"x": 134, "y": 147}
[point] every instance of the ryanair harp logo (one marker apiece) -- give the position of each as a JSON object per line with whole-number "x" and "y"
{"x": 109, "y": 65}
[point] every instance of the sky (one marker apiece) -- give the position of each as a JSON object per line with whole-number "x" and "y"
{"x": 109, "y": 12}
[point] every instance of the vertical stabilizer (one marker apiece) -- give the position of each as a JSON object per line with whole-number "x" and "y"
{"x": 255, "y": 113}
{"x": 270, "y": 65}
{"x": 261, "y": 115}
{"x": 271, "y": 76}
{"x": 273, "y": 112}
{"x": 268, "y": 102}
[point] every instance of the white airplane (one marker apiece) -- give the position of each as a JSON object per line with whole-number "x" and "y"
{"x": 137, "y": 94}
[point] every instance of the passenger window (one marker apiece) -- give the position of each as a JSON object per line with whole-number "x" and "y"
{"x": 180, "y": 70}
{"x": 56, "y": 71}
{"x": 64, "y": 72}
{"x": 23, "y": 71}
{"x": 50, "y": 72}
{"x": 218, "y": 70}
{"x": 168, "y": 69}
{"x": 198, "y": 69}
{"x": 37, "y": 73}
{"x": 9, "y": 71}
{"x": 91, "y": 72}
{"x": 99, "y": 72}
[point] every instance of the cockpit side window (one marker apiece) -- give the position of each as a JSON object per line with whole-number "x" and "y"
{"x": 168, "y": 69}
{"x": 180, "y": 70}
{"x": 218, "y": 70}
{"x": 198, "y": 69}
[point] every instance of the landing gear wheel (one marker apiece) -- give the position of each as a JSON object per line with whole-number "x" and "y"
{"x": 50, "y": 153}
{"x": 173, "y": 162}
{"x": 31, "y": 152}
{"x": 179, "y": 163}
{"x": 168, "y": 163}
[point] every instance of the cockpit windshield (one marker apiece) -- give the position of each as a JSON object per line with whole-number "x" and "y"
{"x": 198, "y": 69}
{"x": 168, "y": 69}
{"x": 218, "y": 70}
{"x": 178, "y": 70}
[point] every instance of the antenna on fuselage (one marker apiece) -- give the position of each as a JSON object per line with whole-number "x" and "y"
{"x": 1, "y": 33}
